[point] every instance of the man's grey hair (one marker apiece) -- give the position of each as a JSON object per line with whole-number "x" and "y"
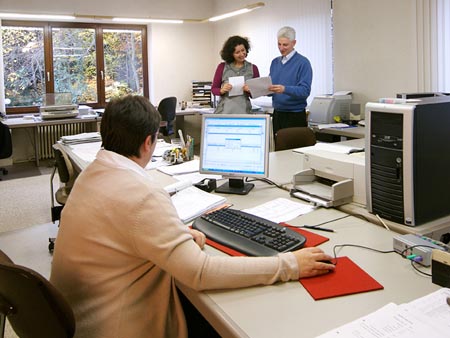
{"x": 286, "y": 32}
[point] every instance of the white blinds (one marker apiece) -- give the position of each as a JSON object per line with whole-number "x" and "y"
{"x": 433, "y": 42}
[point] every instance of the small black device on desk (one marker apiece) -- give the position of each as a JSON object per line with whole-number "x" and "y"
{"x": 249, "y": 234}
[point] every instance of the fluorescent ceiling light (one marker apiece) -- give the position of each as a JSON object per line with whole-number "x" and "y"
{"x": 246, "y": 9}
{"x": 36, "y": 16}
{"x": 148, "y": 20}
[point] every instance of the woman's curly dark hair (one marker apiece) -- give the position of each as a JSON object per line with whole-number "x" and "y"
{"x": 228, "y": 47}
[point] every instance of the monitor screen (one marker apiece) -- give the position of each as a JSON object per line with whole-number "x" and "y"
{"x": 235, "y": 146}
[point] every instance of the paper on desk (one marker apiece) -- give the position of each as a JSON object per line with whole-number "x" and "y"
{"x": 182, "y": 168}
{"x": 161, "y": 147}
{"x": 428, "y": 316}
{"x": 280, "y": 210}
{"x": 195, "y": 177}
{"x": 336, "y": 148}
{"x": 86, "y": 151}
{"x": 238, "y": 85}
{"x": 333, "y": 125}
{"x": 259, "y": 86}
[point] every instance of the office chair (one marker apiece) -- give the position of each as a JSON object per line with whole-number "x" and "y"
{"x": 5, "y": 145}
{"x": 67, "y": 176}
{"x": 33, "y": 306}
{"x": 167, "y": 108}
{"x": 294, "y": 137}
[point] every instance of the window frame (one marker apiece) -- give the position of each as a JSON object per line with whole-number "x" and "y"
{"x": 48, "y": 57}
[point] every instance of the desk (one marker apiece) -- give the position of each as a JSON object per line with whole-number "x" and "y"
{"x": 180, "y": 114}
{"x": 20, "y": 122}
{"x": 286, "y": 309}
{"x": 349, "y": 132}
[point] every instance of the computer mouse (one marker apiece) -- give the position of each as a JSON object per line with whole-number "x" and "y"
{"x": 327, "y": 261}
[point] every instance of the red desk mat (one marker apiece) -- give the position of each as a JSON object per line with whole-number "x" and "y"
{"x": 347, "y": 278}
{"x": 312, "y": 239}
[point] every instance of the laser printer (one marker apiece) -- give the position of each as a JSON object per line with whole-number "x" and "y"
{"x": 57, "y": 106}
{"x": 326, "y": 109}
{"x": 332, "y": 174}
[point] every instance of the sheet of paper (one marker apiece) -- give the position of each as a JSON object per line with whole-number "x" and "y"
{"x": 182, "y": 168}
{"x": 238, "y": 85}
{"x": 195, "y": 177}
{"x": 280, "y": 210}
{"x": 259, "y": 86}
{"x": 428, "y": 316}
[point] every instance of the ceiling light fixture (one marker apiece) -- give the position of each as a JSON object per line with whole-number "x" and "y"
{"x": 146, "y": 20}
{"x": 246, "y": 9}
{"x": 36, "y": 16}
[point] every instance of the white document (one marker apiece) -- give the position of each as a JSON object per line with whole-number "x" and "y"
{"x": 192, "y": 202}
{"x": 280, "y": 210}
{"x": 259, "y": 86}
{"x": 428, "y": 316}
{"x": 182, "y": 168}
{"x": 238, "y": 85}
{"x": 331, "y": 147}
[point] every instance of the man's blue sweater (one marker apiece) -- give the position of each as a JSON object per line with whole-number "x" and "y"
{"x": 296, "y": 76}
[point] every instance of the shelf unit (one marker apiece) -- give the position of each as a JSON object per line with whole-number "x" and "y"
{"x": 201, "y": 93}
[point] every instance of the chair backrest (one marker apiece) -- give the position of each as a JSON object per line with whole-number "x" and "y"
{"x": 65, "y": 168}
{"x": 294, "y": 137}
{"x": 5, "y": 141}
{"x": 167, "y": 108}
{"x": 33, "y": 306}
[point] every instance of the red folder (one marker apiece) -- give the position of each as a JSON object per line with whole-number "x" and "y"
{"x": 347, "y": 278}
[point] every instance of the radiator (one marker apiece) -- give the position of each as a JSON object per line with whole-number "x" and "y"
{"x": 50, "y": 134}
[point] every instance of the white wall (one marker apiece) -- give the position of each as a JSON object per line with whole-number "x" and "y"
{"x": 178, "y": 55}
{"x": 375, "y": 49}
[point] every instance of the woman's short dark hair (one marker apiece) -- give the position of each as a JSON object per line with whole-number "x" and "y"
{"x": 126, "y": 122}
{"x": 228, "y": 47}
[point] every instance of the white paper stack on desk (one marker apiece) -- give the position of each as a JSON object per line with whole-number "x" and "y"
{"x": 81, "y": 138}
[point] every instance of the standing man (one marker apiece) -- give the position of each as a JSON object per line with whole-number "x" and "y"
{"x": 291, "y": 74}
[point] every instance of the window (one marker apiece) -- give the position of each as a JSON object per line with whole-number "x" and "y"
{"x": 93, "y": 62}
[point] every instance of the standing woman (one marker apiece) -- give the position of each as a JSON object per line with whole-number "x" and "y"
{"x": 234, "y": 52}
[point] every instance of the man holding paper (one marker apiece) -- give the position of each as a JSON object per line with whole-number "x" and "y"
{"x": 291, "y": 75}
{"x": 231, "y": 75}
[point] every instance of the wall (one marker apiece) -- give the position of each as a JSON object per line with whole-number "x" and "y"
{"x": 375, "y": 49}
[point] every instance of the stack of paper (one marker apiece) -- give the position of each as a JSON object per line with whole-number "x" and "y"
{"x": 192, "y": 202}
{"x": 428, "y": 316}
{"x": 182, "y": 168}
{"x": 81, "y": 138}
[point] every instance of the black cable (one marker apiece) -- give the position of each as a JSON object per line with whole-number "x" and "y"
{"x": 266, "y": 180}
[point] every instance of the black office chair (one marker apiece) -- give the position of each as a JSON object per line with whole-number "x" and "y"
{"x": 32, "y": 305}
{"x": 294, "y": 137}
{"x": 67, "y": 176}
{"x": 5, "y": 144}
{"x": 167, "y": 108}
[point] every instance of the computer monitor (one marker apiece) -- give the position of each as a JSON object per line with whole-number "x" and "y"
{"x": 235, "y": 146}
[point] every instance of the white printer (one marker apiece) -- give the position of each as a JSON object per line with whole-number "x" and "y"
{"x": 57, "y": 106}
{"x": 332, "y": 175}
{"x": 325, "y": 109}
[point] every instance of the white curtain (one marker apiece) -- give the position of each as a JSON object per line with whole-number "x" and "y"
{"x": 433, "y": 42}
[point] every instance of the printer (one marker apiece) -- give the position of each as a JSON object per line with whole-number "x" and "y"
{"x": 57, "y": 106}
{"x": 325, "y": 109}
{"x": 331, "y": 176}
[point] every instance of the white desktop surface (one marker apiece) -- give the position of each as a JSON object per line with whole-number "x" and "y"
{"x": 286, "y": 309}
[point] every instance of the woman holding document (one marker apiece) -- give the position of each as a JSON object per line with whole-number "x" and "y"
{"x": 230, "y": 76}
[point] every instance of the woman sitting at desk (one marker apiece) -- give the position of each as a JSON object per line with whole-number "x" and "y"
{"x": 121, "y": 244}
{"x": 234, "y": 53}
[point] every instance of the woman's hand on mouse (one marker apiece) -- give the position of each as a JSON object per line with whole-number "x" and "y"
{"x": 311, "y": 262}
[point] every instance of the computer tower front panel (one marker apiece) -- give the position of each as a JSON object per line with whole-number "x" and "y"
{"x": 386, "y": 165}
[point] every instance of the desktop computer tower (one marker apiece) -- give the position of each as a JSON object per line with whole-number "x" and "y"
{"x": 408, "y": 160}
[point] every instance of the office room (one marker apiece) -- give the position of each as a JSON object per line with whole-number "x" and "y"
{"x": 375, "y": 49}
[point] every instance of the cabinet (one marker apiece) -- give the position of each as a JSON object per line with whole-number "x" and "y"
{"x": 201, "y": 93}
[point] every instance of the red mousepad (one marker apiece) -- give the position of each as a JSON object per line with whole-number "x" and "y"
{"x": 347, "y": 278}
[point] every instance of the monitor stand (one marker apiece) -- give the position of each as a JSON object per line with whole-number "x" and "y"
{"x": 235, "y": 186}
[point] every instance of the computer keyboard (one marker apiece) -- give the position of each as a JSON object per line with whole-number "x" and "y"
{"x": 246, "y": 233}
